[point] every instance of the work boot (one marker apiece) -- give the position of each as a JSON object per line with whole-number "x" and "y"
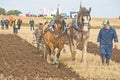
{"x": 107, "y": 61}
{"x": 103, "y": 60}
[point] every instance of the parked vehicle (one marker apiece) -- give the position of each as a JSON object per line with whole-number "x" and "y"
{"x": 65, "y": 15}
{"x": 48, "y": 17}
{"x": 72, "y": 14}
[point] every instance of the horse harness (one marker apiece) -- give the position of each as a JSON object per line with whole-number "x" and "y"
{"x": 63, "y": 30}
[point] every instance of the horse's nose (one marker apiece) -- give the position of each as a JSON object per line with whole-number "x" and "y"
{"x": 85, "y": 28}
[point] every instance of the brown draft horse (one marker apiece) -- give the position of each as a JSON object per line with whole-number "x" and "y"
{"x": 79, "y": 30}
{"x": 54, "y": 40}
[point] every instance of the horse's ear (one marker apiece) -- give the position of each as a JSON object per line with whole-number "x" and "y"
{"x": 89, "y": 10}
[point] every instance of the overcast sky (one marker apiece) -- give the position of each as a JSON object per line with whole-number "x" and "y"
{"x": 100, "y": 8}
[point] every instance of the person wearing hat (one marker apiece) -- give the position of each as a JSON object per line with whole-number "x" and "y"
{"x": 38, "y": 34}
{"x": 105, "y": 39}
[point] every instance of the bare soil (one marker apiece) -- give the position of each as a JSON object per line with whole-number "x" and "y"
{"x": 21, "y": 60}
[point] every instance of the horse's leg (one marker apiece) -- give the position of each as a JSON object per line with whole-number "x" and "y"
{"x": 48, "y": 54}
{"x": 44, "y": 54}
{"x": 57, "y": 55}
{"x": 60, "y": 47}
{"x": 52, "y": 49}
{"x": 74, "y": 50}
{"x": 59, "y": 50}
{"x": 84, "y": 51}
{"x": 71, "y": 44}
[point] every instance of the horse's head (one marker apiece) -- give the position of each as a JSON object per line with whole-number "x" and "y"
{"x": 58, "y": 25}
{"x": 84, "y": 19}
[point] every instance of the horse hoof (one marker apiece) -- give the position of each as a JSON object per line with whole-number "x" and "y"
{"x": 55, "y": 64}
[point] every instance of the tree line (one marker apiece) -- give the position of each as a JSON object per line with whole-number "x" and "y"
{"x": 10, "y": 12}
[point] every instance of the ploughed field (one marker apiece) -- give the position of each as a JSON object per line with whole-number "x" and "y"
{"x": 20, "y": 60}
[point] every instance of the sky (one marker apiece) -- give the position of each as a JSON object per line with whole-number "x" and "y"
{"x": 100, "y": 8}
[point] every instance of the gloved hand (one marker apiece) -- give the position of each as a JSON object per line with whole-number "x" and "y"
{"x": 115, "y": 45}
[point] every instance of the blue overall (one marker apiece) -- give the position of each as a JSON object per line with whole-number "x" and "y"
{"x": 105, "y": 37}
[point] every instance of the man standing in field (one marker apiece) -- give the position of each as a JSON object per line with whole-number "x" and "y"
{"x": 19, "y": 23}
{"x": 15, "y": 26}
{"x": 105, "y": 38}
{"x": 2, "y": 23}
{"x": 7, "y": 23}
{"x": 31, "y": 22}
{"x": 11, "y": 19}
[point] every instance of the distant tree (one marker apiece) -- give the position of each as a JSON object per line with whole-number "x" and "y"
{"x": 14, "y": 12}
{"x": 2, "y": 11}
{"x": 17, "y": 12}
{"x": 11, "y": 12}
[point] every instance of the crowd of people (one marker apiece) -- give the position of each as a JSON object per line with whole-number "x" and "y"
{"x": 4, "y": 23}
{"x": 12, "y": 22}
{"x": 16, "y": 23}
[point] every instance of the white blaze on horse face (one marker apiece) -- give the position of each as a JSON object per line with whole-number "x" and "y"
{"x": 86, "y": 23}
{"x": 57, "y": 29}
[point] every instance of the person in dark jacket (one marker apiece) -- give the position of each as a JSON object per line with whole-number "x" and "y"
{"x": 7, "y": 23}
{"x": 2, "y": 23}
{"x": 31, "y": 22}
{"x": 19, "y": 23}
{"x": 105, "y": 39}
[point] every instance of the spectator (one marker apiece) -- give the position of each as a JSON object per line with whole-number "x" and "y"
{"x": 7, "y": 24}
{"x": 11, "y": 19}
{"x": 19, "y": 23}
{"x": 2, "y": 23}
{"x": 31, "y": 22}
{"x": 15, "y": 26}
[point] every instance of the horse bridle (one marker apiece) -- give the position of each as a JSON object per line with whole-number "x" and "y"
{"x": 88, "y": 24}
